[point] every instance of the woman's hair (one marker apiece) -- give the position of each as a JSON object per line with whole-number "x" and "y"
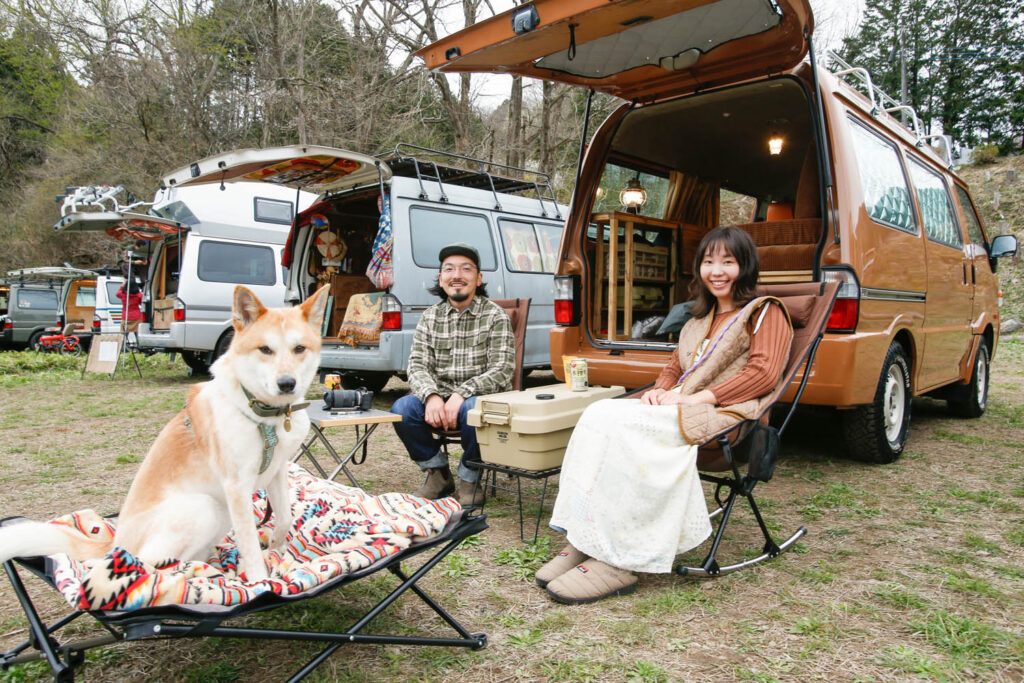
{"x": 734, "y": 241}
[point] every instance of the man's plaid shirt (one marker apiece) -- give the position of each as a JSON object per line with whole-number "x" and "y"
{"x": 468, "y": 353}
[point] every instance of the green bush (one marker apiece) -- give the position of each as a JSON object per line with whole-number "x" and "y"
{"x": 985, "y": 154}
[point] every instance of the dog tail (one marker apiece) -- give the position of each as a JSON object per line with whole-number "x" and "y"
{"x": 31, "y": 539}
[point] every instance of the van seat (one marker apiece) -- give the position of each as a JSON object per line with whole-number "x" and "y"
{"x": 785, "y": 244}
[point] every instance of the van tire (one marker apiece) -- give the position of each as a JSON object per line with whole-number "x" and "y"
{"x": 877, "y": 432}
{"x": 374, "y": 381}
{"x": 972, "y": 399}
{"x": 33, "y": 341}
{"x": 223, "y": 343}
{"x": 196, "y": 361}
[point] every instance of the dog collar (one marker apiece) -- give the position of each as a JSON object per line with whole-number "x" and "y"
{"x": 264, "y": 410}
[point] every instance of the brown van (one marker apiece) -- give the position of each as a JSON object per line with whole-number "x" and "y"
{"x": 726, "y": 123}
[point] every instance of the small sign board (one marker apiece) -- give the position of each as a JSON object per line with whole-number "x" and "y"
{"x": 104, "y": 353}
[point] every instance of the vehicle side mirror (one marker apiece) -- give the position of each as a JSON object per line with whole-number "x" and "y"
{"x": 1003, "y": 245}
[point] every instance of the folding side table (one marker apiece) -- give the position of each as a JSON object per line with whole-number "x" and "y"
{"x": 363, "y": 421}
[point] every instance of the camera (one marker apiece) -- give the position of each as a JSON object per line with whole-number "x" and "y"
{"x": 348, "y": 399}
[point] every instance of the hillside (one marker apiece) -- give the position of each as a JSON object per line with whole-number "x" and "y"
{"x": 1001, "y": 204}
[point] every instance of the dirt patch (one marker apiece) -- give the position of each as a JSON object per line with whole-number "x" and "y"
{"x": 908, "y": 570}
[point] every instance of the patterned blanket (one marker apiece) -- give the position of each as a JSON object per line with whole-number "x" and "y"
{"x": 337, "y": 530}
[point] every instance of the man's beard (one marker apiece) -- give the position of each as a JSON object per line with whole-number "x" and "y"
{"x": 459, "y": 298}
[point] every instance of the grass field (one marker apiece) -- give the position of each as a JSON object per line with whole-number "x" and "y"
{"x": 910, "y": 570}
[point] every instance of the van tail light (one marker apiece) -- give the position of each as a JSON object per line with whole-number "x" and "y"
{"x": 846, "y": 308}
{"x": 1000, "y": 298}
{"x": 567, "y": 300}
{"x": 96, "y": 324}
{"x": 179, "y": 311}
{"x": 8, "y": 325}
{"x": 391, "y": 313}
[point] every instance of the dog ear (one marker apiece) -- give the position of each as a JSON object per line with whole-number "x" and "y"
{"x": 313, "y": 307}
{"x": 246, "y": 308}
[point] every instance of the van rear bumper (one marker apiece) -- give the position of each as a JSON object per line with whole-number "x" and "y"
{"x": 161, "y": 339}
{"x": 390, "y": 355}
{"x": 846, "y": 370}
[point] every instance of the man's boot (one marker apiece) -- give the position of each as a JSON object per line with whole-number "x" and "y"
{"x": 439, "y": 484}
{"x": 471, "y": 494}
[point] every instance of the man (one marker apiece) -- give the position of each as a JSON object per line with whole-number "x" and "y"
{"x": 462, "y": 347}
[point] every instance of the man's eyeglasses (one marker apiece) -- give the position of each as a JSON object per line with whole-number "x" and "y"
{"x": 465, "y": 269}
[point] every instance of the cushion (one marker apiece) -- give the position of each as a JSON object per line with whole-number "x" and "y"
{"x": 676, "y": 318}
{"x": 363, "y": 319}
{"x": 799, "y": 308}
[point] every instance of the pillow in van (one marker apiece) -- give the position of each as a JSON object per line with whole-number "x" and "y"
{"x": 363, "y": 319}
{"x": 676, "y": 318}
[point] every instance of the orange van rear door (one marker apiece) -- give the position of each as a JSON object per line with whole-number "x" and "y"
{"x": 634, "y": 49}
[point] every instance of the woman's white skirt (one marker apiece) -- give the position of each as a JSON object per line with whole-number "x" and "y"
{"x": 629, "y": 493}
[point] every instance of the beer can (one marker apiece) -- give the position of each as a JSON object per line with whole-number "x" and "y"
{"x": 332, "y": 382}
{"x": 578, "y": 374}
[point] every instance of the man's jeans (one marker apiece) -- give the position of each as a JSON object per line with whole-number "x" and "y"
{"x": 420, "y": 440}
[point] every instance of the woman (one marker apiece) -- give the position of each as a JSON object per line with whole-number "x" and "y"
{"x": 630, "y": 498}
{"x": 131, "y": 308}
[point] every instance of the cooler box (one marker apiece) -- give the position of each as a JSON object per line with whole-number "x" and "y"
{"x": 530, "y": 429}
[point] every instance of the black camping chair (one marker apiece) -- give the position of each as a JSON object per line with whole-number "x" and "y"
{"x": 176, "y": 621}
{"x": 747, "y": 451}
{"x": 755, "y": 442}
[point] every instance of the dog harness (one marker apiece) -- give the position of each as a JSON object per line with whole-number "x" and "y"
{"x": 267, "y": 431}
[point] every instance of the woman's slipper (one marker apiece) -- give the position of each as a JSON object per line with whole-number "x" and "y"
{"x": 590, "y": 581}
{"x": 565, "y": 560}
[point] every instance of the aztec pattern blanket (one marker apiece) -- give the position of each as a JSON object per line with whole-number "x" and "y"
{"x": 337, "y": 530}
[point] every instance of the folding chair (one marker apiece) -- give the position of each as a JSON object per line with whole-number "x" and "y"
{"x": 518, "y": 311}
{"x": 754, "y": 441}
{"x": 200, "y": 621}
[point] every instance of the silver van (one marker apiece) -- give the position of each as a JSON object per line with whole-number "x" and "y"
{"x": 39, "y": 299}
{"x": 202, "y": 241}
{"x": 403, "y": 206}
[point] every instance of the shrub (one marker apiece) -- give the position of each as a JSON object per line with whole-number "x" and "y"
{"x": 985, "y": 154}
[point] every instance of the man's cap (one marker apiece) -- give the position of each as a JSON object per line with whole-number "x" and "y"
{"x": 460, "y": 249}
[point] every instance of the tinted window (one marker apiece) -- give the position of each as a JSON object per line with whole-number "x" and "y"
{"x": 936, "y": 208}
{"x": 615, "y": 179}
{"x": 112, "y": 288}
{"x": 44, "y": 299}
{"x": 242, "y": 264}
{"x": 974, "y": 230}
{"x": 86, "y": 297}
{"x": 886, "y": 195}
{"x": 530, "y": 247}
{"x": 431, "y": 230}
{"x": 272, "y": 211}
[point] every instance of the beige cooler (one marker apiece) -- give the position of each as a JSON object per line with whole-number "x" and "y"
{"x": 530, "y": 429}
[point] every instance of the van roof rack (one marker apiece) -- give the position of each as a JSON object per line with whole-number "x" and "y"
{"x": 881, "y": 101}
{"x": 456, "y": 169}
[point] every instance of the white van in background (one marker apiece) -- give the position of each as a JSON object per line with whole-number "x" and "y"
{"x": 423, "y": 199}
{"x": 202, "y": 241}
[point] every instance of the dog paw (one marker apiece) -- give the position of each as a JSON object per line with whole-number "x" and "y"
{"x": 255, "y": 573}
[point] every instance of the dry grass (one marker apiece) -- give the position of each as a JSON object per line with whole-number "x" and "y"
{"x": 909, "y": 570}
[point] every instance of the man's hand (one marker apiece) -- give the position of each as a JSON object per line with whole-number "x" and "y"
{"x": 451, "y": 411}
{"x": 434, "y": 411}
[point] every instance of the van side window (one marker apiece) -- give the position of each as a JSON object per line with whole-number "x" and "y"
{"x": 112, "y": 288}
{"x": 37, "y": 299}
{"x": 974, "y": 230}
{"x": 529, "y": 247}
{"x": 243, "y": 264}
{"x": 886, "y": 195}
{"x": 940, "y": 224}
{"x": 85, "y": 297}
{"x": 272, "y": 211}
{"x": 431, "y": 230}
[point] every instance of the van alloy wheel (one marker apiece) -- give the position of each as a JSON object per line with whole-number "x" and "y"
{"x": 878, "y": 432}
{"x": 196, "y": 361}
{"x": 970, "y": 400}
{"x": 34, "y": 343}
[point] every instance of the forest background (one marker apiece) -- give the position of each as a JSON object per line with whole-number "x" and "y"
{"x": 121, "y": 91}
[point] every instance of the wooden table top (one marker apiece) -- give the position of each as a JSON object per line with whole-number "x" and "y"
{"x": 325, "y": 418}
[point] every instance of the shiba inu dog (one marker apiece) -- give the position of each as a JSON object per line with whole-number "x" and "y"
{"x": 236, "y": 434}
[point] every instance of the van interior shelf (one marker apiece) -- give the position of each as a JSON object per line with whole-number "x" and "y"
{"x": 635, "y": 276}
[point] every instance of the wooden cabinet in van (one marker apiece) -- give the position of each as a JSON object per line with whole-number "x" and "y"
{"x": 726, "y": 113}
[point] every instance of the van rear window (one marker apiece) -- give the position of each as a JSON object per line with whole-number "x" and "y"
{"x": 886, "y": 195}
{"x": 242, "y": 264}
{"x": 430, "y": 230}
{"x": 530, "y": 247}
{"x": 37, "y": 299}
